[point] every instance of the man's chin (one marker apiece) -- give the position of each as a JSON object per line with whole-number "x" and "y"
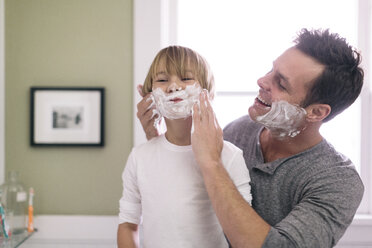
{"x": 253, "y": 113}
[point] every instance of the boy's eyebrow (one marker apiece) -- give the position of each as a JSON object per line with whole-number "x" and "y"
{"x": 160, "y": 72}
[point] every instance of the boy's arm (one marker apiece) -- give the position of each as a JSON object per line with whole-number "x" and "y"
{"x": 127, "y": 235}
{"x": 129, "y": 206}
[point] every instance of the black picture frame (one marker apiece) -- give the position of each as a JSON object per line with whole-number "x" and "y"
{"x": 67, "y": 116}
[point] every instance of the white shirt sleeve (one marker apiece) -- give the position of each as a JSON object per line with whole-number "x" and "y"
{"x": 239, "y": 174}
{"x": 130, "y": 202}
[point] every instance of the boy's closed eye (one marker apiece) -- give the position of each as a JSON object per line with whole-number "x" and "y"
{"x": 161, "y": 77}
{"x": 188, "y": 76}
{"x": 161, "y": 80}
{"x": 187, "y": 79}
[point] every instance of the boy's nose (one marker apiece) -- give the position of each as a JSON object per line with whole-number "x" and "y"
{"x": 174, "y": 87}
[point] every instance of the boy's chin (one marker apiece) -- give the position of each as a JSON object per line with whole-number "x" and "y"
{"x": 179, "y": 119}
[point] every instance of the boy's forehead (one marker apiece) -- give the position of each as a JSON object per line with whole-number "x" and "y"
{"x": 172, "y": 66}
{"x": 161, "y": 64}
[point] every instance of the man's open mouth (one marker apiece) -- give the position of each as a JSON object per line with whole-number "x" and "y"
{"x": 262, "y": 101}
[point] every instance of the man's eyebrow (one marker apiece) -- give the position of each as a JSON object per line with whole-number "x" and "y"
{"x": 283, "y": 77}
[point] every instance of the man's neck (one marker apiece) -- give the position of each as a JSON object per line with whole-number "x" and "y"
{"x": 274, "y": 148}
{"x": 179, "y": 131}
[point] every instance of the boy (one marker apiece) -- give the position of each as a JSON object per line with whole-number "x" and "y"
{"x": 162, "y": 182}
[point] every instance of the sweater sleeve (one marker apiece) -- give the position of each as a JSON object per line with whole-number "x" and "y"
{"x": 130, "y": 202}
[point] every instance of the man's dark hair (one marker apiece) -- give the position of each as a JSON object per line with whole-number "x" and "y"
{"x": 342, "y": 79}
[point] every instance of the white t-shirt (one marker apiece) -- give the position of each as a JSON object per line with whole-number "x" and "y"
{"x": 163, "y": 184}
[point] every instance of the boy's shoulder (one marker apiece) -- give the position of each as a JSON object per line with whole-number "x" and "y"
{"x": 148, "y": 145}
{"x": 229, "y": 149}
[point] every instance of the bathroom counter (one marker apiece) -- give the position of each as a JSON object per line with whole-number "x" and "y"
{"x": 15, "y": 240}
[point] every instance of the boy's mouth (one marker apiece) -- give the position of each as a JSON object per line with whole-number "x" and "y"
{"x": 176, "y": 100}
{"x": 262, "y": 101}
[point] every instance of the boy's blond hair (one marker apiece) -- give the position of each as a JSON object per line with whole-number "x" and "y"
{"x": 178, "y": 60}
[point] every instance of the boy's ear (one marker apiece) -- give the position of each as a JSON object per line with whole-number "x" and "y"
{"x": 317, "y": 112}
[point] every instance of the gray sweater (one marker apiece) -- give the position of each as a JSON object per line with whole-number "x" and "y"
{"x": 309, "y": 199}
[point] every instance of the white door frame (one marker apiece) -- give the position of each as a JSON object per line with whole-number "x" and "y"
{"x": 154, "y": 28}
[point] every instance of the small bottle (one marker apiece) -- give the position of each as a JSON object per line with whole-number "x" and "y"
{"x": 13, "y": 198}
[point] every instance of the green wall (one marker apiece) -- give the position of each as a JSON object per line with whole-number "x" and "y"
{"x": 69, "y": 43}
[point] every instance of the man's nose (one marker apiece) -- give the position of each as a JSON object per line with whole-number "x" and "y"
{"x": 264, "y": 82}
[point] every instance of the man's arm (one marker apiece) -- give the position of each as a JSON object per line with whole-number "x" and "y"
{"x": 144, "y": 114}
{"x": 127, "y": 235}
{"x": 241, "y": 224}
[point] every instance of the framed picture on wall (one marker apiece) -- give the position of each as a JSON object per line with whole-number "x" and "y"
{"x": 67, "y": 116}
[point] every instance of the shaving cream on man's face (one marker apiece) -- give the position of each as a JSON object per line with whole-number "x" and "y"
{"x": 283, "y": 119}
{"x": 175, "y": 105}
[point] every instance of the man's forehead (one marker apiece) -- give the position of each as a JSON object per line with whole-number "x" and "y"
{"x": 294, "y": 63}
{"x": 298, "y": 57}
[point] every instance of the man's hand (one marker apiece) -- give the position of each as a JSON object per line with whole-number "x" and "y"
{"x": 144, "y": 114}
{"x": 241, "y": 224}
{"x": 207, "y": 137}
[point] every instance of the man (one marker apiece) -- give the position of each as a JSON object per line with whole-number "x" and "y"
{"x": 305, "y": 194}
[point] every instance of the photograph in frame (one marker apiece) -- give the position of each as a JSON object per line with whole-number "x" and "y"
{"x": 67, "y": 116}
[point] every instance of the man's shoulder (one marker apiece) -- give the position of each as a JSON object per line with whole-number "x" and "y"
{"x": 241, "y": 121}
{"x": 328, "y": 157}
{"x": 323, "y": 162}
{"x": 241, "y": 129}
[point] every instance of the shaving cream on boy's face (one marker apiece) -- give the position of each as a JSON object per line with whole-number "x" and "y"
{"x": 177, "y": 104}
{"x": 283, "y": 119}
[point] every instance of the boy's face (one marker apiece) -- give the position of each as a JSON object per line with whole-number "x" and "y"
{"x": 172, "y": 83}
{"x": 173, "y": 96}
{"x": 290, "y": 79}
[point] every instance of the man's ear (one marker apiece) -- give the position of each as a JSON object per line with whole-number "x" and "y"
{"x": 317, "y": 112}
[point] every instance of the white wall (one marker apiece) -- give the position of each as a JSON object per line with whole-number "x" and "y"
{"x": 2, "y": 90}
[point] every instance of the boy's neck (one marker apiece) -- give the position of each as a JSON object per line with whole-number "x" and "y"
{"x": 179, "y": 131}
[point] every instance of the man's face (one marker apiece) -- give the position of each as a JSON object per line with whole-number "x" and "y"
{"x": 290, "y": 78}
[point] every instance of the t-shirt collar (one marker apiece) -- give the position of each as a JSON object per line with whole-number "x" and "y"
{"x": 271, "y": 167}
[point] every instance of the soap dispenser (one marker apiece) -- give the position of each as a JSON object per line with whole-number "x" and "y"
{"x": 13, "y": 198}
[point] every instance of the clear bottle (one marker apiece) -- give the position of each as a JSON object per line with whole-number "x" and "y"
{"x": 13, "y": 198}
